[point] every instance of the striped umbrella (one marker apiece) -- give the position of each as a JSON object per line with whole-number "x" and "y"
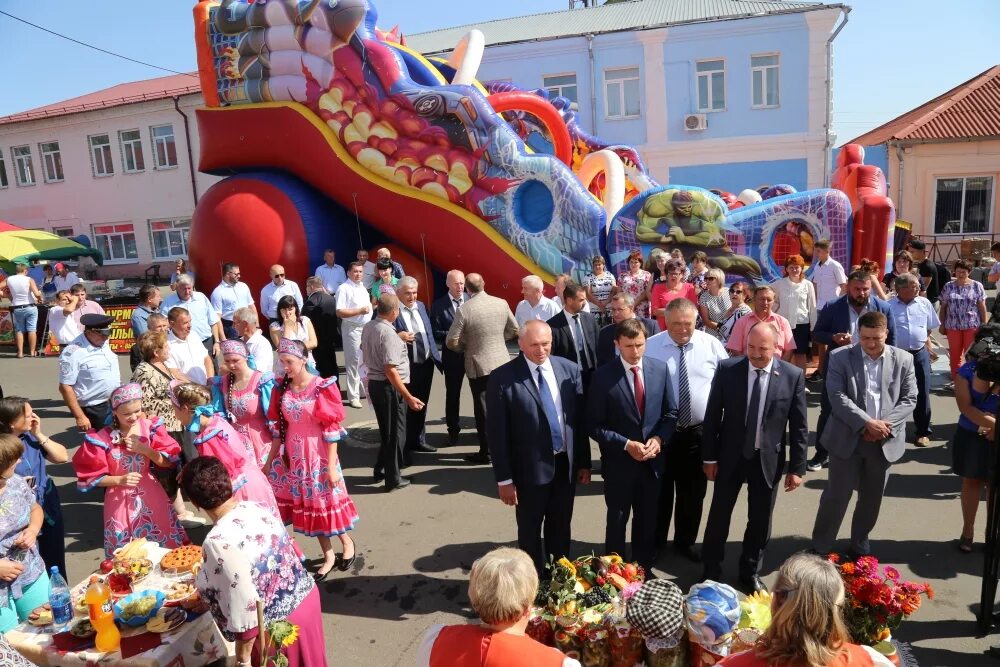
{"x": 24, "y": 245}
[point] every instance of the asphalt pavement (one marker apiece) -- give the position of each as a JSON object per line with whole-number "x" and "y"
{"x": 416, "y": 545}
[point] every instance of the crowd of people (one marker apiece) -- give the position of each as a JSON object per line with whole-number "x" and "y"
{"x": 680, "y": 379}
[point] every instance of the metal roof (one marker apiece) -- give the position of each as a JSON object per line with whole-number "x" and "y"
{"x": 970, "y": 110}
{"x": 616, "y": 17}
{"x": 175, "y": 85}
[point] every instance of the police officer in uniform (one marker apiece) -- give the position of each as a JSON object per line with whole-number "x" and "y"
{"x": 89, "y": 372}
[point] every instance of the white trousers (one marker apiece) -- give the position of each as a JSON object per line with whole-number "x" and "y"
{"x": 351, "y": 335}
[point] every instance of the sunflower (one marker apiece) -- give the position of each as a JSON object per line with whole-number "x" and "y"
{"x": 565, "y": 563}
{"x": 283, "y": 632}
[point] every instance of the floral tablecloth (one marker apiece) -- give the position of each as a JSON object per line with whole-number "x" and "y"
{"x": 197, "y": 642}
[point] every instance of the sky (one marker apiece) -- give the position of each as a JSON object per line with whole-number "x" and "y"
{"x": 892, "y": 56}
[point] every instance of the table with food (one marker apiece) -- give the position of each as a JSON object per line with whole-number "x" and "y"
{"x": 142, "y": 609}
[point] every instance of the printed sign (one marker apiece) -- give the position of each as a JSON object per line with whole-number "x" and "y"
{"x": 122, "y": 339}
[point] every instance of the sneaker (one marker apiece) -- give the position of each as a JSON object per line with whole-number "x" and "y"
{"x": 818, "y": 462}
{"x": 355, "y": 403}
{"x": 923, "y": 441}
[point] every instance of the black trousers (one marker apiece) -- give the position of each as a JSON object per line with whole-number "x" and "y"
{"x": 631, "y": 487}
{"x": 454, "y": 375}
{"x": 52, "y": 539}
{"x": 325, "y": 356}
{"x": 421, "y": 379}
{"x": 544, "y": 514}
{"x": 390, "y": 412}
{"x": 97, "y": 414}
{"x": 922, "y": 412}
{"x": 478, "y": 387}
{"x": 229, "y": 329}
{"x": 683, "y": 476}
{"x": 761, "y": 494}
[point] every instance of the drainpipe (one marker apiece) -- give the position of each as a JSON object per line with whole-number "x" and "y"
{"x": 899, "y": 187}
{"x": 593, "y": 84}
{"x": 187, "y": 141}
{"x": 828, "y": 145}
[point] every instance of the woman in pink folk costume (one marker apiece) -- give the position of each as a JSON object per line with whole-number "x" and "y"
{"x": 118, "y": 458}
{"x": 303, "y": 464}
{"x": 243, "y": 396}
{"x": 214, "y": 436}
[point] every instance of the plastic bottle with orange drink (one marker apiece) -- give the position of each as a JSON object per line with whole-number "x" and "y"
{"x": 102, "y": 617}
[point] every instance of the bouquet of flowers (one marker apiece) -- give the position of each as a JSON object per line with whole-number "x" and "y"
{"x": 876, "y": 600}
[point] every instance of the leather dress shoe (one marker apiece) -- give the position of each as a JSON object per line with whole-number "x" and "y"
{"x": 754, "y": 584}
{"x": 453, "y": 436}
{"x": 479, "y": 458}
{"x": 688, "y": 551}
{"x": 378, "y": 476}
{"x": 713, "y": 572}
{"x": 424, "y": 447}
{"x": 403, "y": 483}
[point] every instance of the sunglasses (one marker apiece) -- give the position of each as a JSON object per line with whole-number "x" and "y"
{"x": 276, "y": 275}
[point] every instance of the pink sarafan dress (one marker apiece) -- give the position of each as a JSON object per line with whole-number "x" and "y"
{"x": 301, "y": 476}
{"x": 246, "y": 410}
{"x": 218, "y": 438}
{"x": 130, "y": 512}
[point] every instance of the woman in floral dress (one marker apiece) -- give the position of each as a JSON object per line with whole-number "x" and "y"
{"x": 243, "y": 395}
{"x": 635, "y": 283}
{"x": 118, "y": 458}
{"x": 963, "y": 310}
{"x": 601, "y": 286}
{"x": 303, "y": 464}
{"x": 249, "y": 558}
{"x": 214, "y": 436}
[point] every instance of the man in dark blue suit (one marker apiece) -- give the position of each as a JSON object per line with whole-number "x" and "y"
{"x": 622, "y": 308}
{"x": 537, "y": 436}
{"x": 574, "y": 332}
{"x": 752, "y": 401}
{"x": 442, "y": 315}
{"x": 837, "y": 326}
{"x": 632, "y": 413}
{"x": 414, "y": 327}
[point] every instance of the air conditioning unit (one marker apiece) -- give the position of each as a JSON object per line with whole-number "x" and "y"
{"x": 695, "y": 121}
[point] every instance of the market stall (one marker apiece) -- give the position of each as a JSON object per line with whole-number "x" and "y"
{"x": 164, "y": 627}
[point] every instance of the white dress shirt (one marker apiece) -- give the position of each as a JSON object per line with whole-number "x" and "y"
{"x": 350, "y": 296}
{"x": 545, "y": 309}
{"x": 227, "y": 299}
{"x": 828, "y": 276}
{"x": 332, "y": 276}
{"x": 701, "y": 358}
{"x": 765, "y": 381}
{"x": 368, "y": 275}
{"x": 260, "y": 349}
{"x": 65, "y": 327}
{"x": 415, "y": 325}
{"x": 188, "y": 356}
{"x": 873, "y": 384}
{"x": 550, "y": 381}
{"x": 271, "y": 294}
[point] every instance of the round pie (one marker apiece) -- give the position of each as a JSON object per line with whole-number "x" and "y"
{"x": 181, "y": 559}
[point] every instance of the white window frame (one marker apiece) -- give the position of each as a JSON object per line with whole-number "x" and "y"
{"x": 763, "y": 69}
{"x": 710, "y": 102}
{"x": 105, "y": 158}
{"x": 53, "y": 159}
{"x": 620, "y": 83}
{"x": 155, "y": 141}
{"x": 63, "y": 228}
{"x": 184, "y": 229}
{"x": 558, "y": 87}
{"x": 990, "y": 221}
{"x": 119, "y": 234}
{"x": 25, "y": 162}
{"x": 4, "y": 179}
{"x": 130, "y": 148}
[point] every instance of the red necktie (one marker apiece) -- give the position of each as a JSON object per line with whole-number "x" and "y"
{"x": 640, "y": 392}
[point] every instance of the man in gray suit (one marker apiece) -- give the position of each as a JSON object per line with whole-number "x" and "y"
{"x": 480, "y": 330}
{"x": 873, "y": 390}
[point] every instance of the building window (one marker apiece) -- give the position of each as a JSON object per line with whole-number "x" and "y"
{"x": 51, "y": 161}
{"x": 116, "y": 242}
{"x": 711, "y": 85}
{"x": 764, "y": 72}
{"x": 24, "y": 169}
{"x": 963, "y": 205}
{"x": 64, "y": 232}
{"x": 164, "y": 147}
{"x": 3, "y": 172}
{"x": 561, "y": 85}
{"x": 621, "y": 93}
{"x": 170, "y": 237}
{"x": 131, "y": 145}
{"x": 100, "y": 155}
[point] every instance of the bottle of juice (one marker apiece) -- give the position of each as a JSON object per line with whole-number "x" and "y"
{"x": 102, "y": 617}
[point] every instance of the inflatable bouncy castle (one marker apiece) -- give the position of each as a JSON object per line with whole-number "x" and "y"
{"x": 333, "y": 134}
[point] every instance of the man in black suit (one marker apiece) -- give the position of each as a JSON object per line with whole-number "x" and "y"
{"x": 753, "y": 399}
{"x": 537, "y": 436}
{"x": 574, "y": 332}
{"x": 622, "y": 308}
{"x": 442, "y": 315}
{"x": 321, "y": 309}
{"x": 632, "y": 412}
{"x": 414, "y": 327}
